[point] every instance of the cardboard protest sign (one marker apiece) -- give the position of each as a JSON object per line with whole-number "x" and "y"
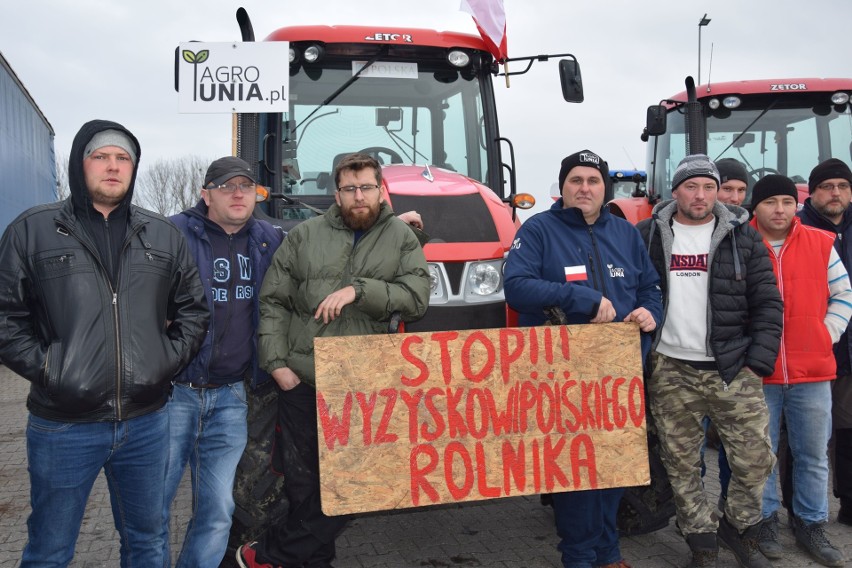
{"x": 418, "y": 419}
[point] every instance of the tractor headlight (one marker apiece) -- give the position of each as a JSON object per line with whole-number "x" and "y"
{"x": 483, "y": 279}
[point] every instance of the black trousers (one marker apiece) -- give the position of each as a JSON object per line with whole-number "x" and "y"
{"x": 843, "y": 469}
{"x": 306, "y": 539}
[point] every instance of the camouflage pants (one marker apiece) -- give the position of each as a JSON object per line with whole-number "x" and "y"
{"x": 680, "y": 396}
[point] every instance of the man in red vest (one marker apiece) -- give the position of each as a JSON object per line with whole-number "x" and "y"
{"x": 817, "y": 298}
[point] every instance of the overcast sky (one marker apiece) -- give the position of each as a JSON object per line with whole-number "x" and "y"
{"x": 114, "y": 60}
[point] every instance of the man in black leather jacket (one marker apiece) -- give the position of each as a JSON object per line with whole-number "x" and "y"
{"x": 100, "y": 305}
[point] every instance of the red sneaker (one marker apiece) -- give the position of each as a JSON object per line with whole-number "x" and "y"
{"x": 247, "y": 557}
{"x": 620, "y": 564}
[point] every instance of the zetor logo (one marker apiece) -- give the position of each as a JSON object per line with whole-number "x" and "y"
{"x": 788, "y": 87}
{"x": 378, "y": 36}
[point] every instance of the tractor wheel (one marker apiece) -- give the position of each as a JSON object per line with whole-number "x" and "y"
{"x": 258, "y": 491}
{"x": 646, "y": 509}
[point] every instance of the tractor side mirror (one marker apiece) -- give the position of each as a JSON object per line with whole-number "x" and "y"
{"x": 572, "y": 81}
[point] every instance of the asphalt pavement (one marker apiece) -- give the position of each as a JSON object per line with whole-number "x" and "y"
{"x": 515, "y": 532}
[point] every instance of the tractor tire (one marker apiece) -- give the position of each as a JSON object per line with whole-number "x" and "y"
{"x": 648, "y": 508}
{"x": 259, "y": 495}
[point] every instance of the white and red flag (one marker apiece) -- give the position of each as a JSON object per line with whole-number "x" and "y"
{"x": 575, "y": 273}
{"x": 490, "y": 19}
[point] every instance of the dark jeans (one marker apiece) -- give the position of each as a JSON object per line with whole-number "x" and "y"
{"x": 307, "y": 537}
{"x": 65, "y": 458}
{"x": 586, "y": 525}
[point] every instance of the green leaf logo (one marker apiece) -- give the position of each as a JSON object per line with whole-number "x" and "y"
{"x": 195, "y": 59}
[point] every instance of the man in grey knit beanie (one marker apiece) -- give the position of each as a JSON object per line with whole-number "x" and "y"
{"x": 695, "y": 165}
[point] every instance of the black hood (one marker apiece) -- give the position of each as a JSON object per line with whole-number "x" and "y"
{"x": 77, "y": 181}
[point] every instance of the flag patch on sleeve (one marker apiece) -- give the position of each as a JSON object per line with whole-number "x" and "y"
{"x": 574, "y": 273}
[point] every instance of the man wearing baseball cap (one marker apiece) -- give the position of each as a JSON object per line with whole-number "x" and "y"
{"x": 591, "y": 264}
{"x": 720, "y": 334}
{"x": 827, "y": 208}
{"x": 806, "y": 265}
{"x": 207, "y": 409}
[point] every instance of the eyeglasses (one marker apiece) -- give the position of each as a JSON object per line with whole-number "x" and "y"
{"x": 830, "y": 186}
{"x": 351, "y": 189}
{"x": 229, "y": 188}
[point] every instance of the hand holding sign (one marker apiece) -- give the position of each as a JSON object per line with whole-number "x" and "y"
{"x": 425, "y": 418}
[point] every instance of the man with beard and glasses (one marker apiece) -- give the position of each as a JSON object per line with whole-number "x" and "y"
{"x": 343, "y": 273}
{"x": 830, "y": 186}
{"x": 719, "y": 336}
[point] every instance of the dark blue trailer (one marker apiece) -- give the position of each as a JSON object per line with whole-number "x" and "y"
{"x": 27, "y": 159}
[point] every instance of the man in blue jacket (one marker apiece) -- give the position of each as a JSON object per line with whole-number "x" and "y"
{"x": 579, "y": 257}
{"x": 208, "y": 408}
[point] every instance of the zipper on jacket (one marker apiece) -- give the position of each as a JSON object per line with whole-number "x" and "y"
{"x": 783, "y": 351}
{"x": 113, "y": 291}
{"x": 117, "y": 355}
{"x": 230, "y": 303}
{"x": 600, "y": 263}
{"x": 594, "y": 273}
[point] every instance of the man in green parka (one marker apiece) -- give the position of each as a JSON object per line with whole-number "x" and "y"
{"x": 343, "y": 273}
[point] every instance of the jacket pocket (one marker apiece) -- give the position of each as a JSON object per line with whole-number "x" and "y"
{"x": 153, "y": 261}
{"x": 56, "y": 264}
{"x": 52, "y": 370}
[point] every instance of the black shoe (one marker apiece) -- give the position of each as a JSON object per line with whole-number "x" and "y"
{"x": 812, "y": 538}
{"x": 844, "y": 515}
{"x": 767, "y": 538}
{"x": 705, "y": 549}
{"x": 744, "y": 546}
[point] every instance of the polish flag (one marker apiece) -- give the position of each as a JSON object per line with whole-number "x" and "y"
{"x": 490, "y": 19}
{"x": 574, "y": 273}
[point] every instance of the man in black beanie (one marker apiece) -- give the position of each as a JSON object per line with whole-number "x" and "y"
{"x": 735, "y": 180}
{"x": 827, "y": 208}
{"x": 831, "y": 171}
{"x": 594, "y": 266}
{"x": 799, "y": 389}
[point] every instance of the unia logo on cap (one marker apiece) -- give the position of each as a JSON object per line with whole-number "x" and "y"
{"x": 590, "y": 158}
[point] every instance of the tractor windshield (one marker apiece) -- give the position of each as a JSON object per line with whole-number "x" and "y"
{"x": 399, "y": 111}
{"x": 786, "y": 136}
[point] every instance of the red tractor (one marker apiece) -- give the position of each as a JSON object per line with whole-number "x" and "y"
{"x": 784, "y": 126}
{"x": 422, "y": 103}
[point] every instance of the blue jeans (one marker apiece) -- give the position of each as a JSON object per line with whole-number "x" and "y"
{"x": 807, "y": 410}
{"x": 64, "y": 460}
{"x": 208, "y": 431}
{"x": 586, "y": 525}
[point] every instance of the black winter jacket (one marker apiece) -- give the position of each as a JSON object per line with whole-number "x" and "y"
{"x": 94, "y": 351}
{"x": 744, "y": 309}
